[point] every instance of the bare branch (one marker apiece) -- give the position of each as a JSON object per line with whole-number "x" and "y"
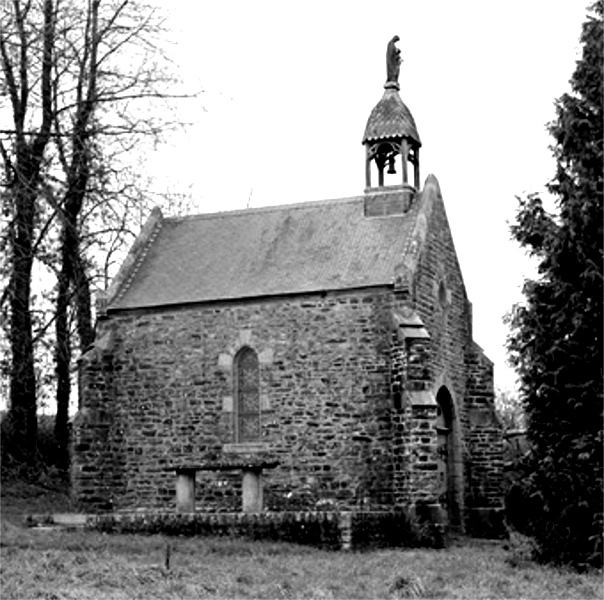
{"x": 8, "y": 69}
{"x": 42, "y": 138}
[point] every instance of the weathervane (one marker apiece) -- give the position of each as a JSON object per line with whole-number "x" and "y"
{"x": 393, "y": 61}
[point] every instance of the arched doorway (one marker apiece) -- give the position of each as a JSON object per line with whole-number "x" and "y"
{"x": 448, "y": 461}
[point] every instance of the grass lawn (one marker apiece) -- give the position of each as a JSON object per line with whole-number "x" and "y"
{"x": 53, "y": 564}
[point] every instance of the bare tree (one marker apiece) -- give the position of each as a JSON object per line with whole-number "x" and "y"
{"x": 105, "y": 92}
{"x": 24, "y": 172}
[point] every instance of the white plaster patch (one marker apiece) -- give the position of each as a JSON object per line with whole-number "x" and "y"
{"x": 421, "y": 398}
{"x": 227, "y": 404}
{"x": 245, "y": 335}
{"x": 266, "y": 356}
{"x": 265, "y": 403}
{"x": 225, "y": 361}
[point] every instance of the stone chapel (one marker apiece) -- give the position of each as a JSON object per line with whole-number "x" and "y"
{"x": 314, "y": 356}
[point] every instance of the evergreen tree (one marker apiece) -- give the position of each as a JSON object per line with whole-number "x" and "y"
{"x": 556, "y": 339}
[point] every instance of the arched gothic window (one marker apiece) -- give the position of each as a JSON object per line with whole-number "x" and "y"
{"x": 247, "y": 396}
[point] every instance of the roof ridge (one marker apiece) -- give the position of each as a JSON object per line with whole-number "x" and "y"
{"x": 305, "y": 205}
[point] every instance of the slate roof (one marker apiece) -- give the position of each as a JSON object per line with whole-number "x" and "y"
{"x": 390, "y": 118}
{"x": 298, "y": 248}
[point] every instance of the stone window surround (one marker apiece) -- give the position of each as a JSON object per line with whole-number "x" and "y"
{"x": 226, "y": 360}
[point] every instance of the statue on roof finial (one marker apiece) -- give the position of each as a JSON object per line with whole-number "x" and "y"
{"x": 393, "y": 60}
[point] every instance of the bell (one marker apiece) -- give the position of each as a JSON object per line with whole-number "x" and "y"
{"x": 391, "y": 169}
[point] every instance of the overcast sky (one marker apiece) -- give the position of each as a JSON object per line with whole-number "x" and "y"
{"x": 288, "y": 87}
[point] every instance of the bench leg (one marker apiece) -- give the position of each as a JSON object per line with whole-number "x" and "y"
{"x": 185, "y": 492}
{"x": 252, "y": 492}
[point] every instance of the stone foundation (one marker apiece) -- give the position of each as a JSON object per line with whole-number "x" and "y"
{"x": 331, "y": 530}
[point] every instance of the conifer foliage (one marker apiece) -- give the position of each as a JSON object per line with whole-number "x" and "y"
{"x": 556, "y": 334}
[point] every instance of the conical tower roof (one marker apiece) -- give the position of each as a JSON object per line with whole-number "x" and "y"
{"x": 390, "y": 118}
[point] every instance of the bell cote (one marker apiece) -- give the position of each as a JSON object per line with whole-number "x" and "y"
{"x": 391, "y": 140}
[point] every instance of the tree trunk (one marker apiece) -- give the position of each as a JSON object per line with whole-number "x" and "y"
{"x": 83, "y": 300}
{"x": 22, "y": 380}
{"x": 73, "y": 270}
{"x": 72, "y": 277}
{"x": 62, "y": 365}
{"x": 24, "y": 188}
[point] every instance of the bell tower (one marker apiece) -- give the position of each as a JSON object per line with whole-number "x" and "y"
{"x": 391, "y": 136}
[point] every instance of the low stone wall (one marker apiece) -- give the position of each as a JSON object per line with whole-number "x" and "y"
{"x": 329, "y": 530}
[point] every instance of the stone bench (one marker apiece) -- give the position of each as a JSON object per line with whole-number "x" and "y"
{"x": 251, "y": 488}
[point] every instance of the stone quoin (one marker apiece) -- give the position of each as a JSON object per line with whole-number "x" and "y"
{"x": 315, "y": 356}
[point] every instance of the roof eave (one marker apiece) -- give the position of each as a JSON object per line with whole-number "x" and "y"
{"x": 113, "y": 310}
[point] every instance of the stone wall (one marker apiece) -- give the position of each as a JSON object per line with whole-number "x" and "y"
{"x": 325, "y": 397}
{"x": 96, "y": 448}
{"x": 455, "y": 362}
{"x": 341, "y": 530}
{"x": 485, "y": 440}
{"x": 441, "y": 300}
